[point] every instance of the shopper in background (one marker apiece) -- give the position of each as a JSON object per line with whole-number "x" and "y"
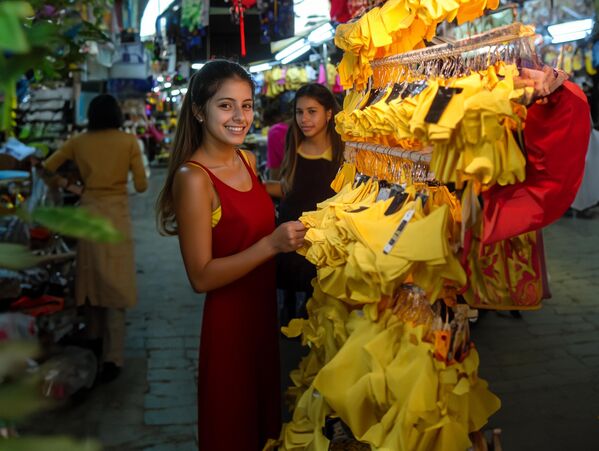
{"x": 276, "y": 117}
{"x": 313, "y": 155}
{"x": 226, "y": 227}
{"x": 105, "y": 279}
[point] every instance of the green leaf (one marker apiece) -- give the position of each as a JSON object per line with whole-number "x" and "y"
{"x": 12, "y": 36}
{"x": 77, "y": 222}
{"x": 43, "y": 34}
{"x": 13, "y": 354}
{"x": 48, "y": 444}
{"x": 22, "y": 398}
{"x": 16, "y": 9}
{"x": 17, "y": 256}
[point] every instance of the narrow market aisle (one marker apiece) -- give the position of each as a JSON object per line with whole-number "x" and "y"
{"x": 545, "y": 366}
{"x": 152, "y": 405}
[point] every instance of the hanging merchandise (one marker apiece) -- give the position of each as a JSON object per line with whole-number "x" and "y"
{"x": 277, "y": 20}
{"x": 339, "y": 11}
{"x": 402, "y": 250}
{"x": 395, "y": 27}
{"x": 132, "y": 61}
{"x": 237, "y": 16}
{"x": 195, "y": 15}
{"x": 552, "y": 175}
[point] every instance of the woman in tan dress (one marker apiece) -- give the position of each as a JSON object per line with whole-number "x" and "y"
{"x": 105, "y": 278}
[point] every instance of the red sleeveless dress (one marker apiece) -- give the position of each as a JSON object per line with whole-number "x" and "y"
{"x": 238, "y": 388}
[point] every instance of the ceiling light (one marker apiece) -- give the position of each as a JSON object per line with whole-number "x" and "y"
{"x": 261, "y": 67}
{"x": 321, "y": 34}
{"x": 168, "y": 85}
{"x": 570, "y": 31}
{"x": 197, "y": 66}
{"x": 299, "y": 44}
{"x": 296, "y": 54}
{"x": 175, "y": 92}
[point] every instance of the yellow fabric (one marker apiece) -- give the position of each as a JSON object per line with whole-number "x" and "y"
{"x": 386, "y": 386}
{"x": 395, "y": 27}
{"x": 326, "y": 155}
{"x": 473, "y": 138}
{"x": 347, "y": 234}
{"x": 218, "y": 212}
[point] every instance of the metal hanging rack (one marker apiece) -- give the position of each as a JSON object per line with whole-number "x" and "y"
{"x": 417, "y": 156}
{"x": 498, "y": 36}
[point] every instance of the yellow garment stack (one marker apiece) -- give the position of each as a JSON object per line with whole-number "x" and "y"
{"x": 395, "y": 27}
{"x": 473, "y": 138}
{"x": 367, "y": 366}
{"x": 381, "y": 379}
{"x": 347, "y": 235}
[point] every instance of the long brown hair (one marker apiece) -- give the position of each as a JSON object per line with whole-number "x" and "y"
{"x": 295, "y": 136}
{"x": 203, "y": 85}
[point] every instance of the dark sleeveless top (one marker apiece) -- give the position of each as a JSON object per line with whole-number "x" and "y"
{"x": 311, "y": 185}
{"x": 238, "y": 387}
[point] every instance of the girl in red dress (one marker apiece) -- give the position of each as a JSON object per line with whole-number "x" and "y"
{"x": 225, "y": 222}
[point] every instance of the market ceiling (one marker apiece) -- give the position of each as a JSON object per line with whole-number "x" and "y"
{"x": 224, "y": 35}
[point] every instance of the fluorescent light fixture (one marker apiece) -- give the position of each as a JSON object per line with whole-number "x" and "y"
{"x": 309, "y": 12}
{"x": 260, "y": 67}
{"x": 297, "y": 45}
{"x": 168, "y": 84}
{"x": 296, "y": 54}
{"x": 321, "y": 34}
{"x": 175, "y": 92}
{"x": 570, "y": 31}
{"x": 197, "y": 66}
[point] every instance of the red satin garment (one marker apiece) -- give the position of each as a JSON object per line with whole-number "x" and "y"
{"x": 556, "y": 139}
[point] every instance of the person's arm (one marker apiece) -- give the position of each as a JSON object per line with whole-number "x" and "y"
{"x": 274, "y": 188}
{"x": 54, "y": 162}
{"x": 193, "y": 193}
{"x": 136, "y": 165}
{"x": 58, "y": 158}
{"x": 274, "y": 173}
{"x": 544, "y": 82}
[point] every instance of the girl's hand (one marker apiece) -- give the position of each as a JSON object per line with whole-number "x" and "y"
{"x": 544, "y": 81}
{"x": 288, "y": 237}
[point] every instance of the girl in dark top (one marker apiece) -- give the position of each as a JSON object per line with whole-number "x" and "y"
{"x": 313, "y": 155}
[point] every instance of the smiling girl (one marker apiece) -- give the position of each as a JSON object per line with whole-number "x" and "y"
{"x": 225, "y": 222}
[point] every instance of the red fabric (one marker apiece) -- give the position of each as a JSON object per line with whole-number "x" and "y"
{"x": 339, "y": 11}
{"x": 248, "y": 3}
{"x": 238, "y": 389}
{"x": 556, "y": 139}
{"x": 356, "y": 6}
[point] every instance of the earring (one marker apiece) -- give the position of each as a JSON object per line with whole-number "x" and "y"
{"x": 200, "y": 120}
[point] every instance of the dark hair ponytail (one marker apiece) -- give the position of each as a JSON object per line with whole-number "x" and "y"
{"x": 203, "y": 85}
